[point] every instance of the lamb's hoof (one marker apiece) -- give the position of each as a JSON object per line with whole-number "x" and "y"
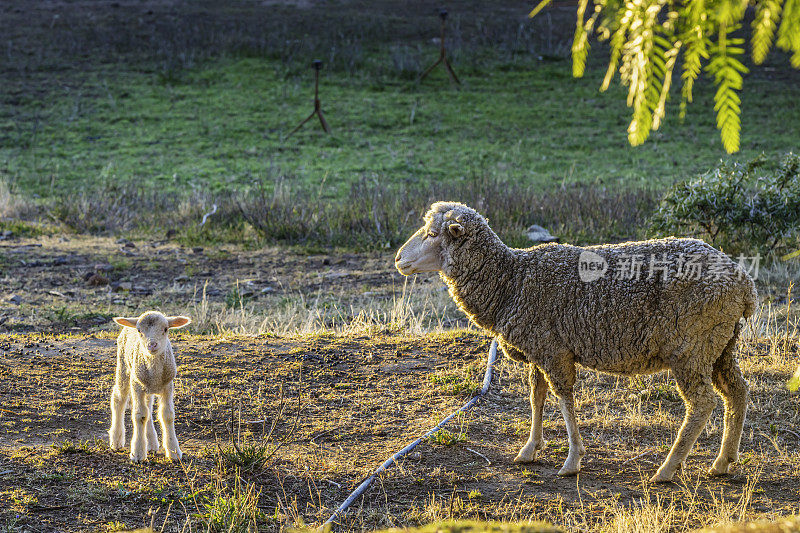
{"x": 116, "y": 440}
{"x": 174, "y": 456}
{"x": 138, "y": 458}
{"x": 152, "y": 447}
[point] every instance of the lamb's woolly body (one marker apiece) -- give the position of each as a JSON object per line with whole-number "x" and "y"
{"x": 135, "y": 363}
{"x": 141, "y": 376}
{"x": 544, "y": 314}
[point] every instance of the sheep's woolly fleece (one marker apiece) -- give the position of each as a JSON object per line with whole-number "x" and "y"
{"x": 535, "y": 300}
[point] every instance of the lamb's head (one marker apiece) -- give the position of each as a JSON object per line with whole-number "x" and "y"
{"x": 153, "y": 328}
{"x": 448, "y": 225}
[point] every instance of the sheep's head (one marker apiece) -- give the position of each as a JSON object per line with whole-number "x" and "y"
{"x": 447, "y": 224}
{"x": 153, "y": 327}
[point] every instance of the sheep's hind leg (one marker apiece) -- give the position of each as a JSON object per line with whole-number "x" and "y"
{"x": 699, "y": 397}
{"x": 152, "y": 436}
{"x": 730, "y": 383}
{"x": 119, "y": 403}
{"x": 538, "y": 394}
{"x": 166, "y": 415}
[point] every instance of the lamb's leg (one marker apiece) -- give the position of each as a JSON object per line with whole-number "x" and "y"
{"x": 699, "y": 397}
{"x": 562, "y": 382}
{"x": 166, "y": 415}
{"x": 152, "y": 436}
{"x": 120, "y": 395}
{"x": 730, "y": 383}
{"x": 538, "y": 394}
{"x": 139, "y": 417}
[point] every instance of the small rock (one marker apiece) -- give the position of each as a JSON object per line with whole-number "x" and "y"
{"x": 197, "y": 249}
{"x": 103, "y": 267}
{"x": 129, "y": 244}
{"x": 267, "y": 289}
{"x": 7, "y": 234}
{"x": 539, "y": 234}
{"x": 15, "y": 299}
{"x": 97, "y": 280}
{"x": 326, "y": 261}
{"x": 121, "y": 286}
{"x": 122, "y": 241}
{"x": 171, "y": 233}
{"x": 181, "y": 278}
{"x": 60, "y": 260}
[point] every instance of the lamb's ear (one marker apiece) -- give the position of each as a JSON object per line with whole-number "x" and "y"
{"x": 178, "y": 321}
{"x": 456, "y": 230}
{"x": 129, "y": 322}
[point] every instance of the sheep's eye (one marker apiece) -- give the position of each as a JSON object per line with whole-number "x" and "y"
{"x": 166, "y": 329}
{"x": 432, "y": 234}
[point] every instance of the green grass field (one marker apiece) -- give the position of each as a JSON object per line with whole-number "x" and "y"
{"x": 217, "y": 123}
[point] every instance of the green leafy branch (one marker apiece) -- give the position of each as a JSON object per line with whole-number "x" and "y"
{"x": 647, "y": 37}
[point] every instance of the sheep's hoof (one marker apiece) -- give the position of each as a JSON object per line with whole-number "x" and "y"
{"x": 661, "y": 478}
{"x": 569, "y": 470}
{"x": 719, "y": 468}
{"x": 526, "y": 456}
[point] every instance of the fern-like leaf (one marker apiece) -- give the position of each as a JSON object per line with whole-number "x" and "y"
{"x": 671, "y": 56}
{"x": 789, "y": 30}
{"x": 727, "y": 71}
{"x": 580, "y": 42}
{"x": 696, "y": 43}
{"x": 764, "y": 25}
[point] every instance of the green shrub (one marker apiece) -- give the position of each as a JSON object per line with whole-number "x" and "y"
{"x": 739, "y": 208}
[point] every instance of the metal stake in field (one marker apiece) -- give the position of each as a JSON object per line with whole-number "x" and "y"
{"x": 317, "y": 64}
{"x": 442, "y": 55}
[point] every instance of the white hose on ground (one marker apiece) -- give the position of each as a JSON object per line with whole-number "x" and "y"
{"x": 487, "y": 380}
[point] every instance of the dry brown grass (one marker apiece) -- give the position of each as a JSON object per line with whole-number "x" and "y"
{"x": 360, "y": 397}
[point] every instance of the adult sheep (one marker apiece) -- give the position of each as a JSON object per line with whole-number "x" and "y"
{"x": 632, "y": 308}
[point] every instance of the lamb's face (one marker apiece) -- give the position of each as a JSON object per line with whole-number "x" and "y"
{"x": 423, "y": 252}
{"x": 153, "y": 329}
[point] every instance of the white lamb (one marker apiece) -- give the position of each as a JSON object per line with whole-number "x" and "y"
{"x": 145, "y": 369}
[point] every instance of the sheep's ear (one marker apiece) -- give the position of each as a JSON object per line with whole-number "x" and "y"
{"x": 129, "y": 322}
{"x": 178, "y": 321}
{"x": 456, "y": 230}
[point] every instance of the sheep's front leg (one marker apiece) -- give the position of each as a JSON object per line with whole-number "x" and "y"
{"x": 119, "y": 403}
{"x": 576, "y": 450}
{"x": 538, "y": 394}
{"x": 563, "y": 381}
{"x": 152, "y": 436}
{"x": 139, "y": 415}
{"x": 166, "y": 415}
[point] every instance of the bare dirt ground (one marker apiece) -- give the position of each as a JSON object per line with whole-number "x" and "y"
{"x": 75, "y": 283}
{"x": 340, "y": 406}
